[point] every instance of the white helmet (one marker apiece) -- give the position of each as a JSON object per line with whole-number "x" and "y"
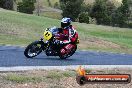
{"x": 65, "y": 22}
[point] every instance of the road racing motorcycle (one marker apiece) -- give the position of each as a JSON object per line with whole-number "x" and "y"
{"x": 47, "y": 45}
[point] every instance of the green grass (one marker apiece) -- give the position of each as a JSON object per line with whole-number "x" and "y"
{"x": 17, "y": 28}
{"x": 22, "y": 79}
{"x": 117, "y": 36}
{"x": 21, "y": 29}
{"x": 68, "y": 73}
{"x": 121, "y": 36}
{"x": 58, "y": 75}
{"x": 54, "y": 15}
{"x": 46, "y": 76}
{"x": 54, "y": 75}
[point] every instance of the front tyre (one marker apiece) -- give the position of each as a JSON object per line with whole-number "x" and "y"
{"x": 33, "y": 49}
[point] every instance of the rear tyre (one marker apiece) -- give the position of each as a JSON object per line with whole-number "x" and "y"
{"x": 33, "y": 49}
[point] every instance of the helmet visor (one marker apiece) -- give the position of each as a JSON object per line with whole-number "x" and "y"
{"x": 63, "y": 25}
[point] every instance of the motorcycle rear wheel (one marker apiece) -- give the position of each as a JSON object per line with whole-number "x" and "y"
{"x": 33, "y": 49}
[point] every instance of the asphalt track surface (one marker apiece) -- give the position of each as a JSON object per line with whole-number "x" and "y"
{"x": 13, "y": 56}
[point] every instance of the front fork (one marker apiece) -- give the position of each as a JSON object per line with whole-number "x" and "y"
{"x": 43, "y": 44}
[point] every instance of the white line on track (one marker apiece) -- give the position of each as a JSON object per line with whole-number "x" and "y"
{"x": 73, "y": 67}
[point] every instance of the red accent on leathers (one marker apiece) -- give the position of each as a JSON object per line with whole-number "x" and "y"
{"x": 66, "y": 37}
{"x": 67, "y": 48}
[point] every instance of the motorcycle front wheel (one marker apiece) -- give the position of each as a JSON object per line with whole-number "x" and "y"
{"x": 33, "y": 49}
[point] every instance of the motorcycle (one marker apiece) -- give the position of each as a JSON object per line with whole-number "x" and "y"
{"x": 50, "y": 35}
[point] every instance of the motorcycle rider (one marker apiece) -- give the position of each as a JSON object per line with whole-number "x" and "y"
{"x": 69, "y": 33}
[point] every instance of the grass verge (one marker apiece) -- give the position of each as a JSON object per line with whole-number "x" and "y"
{"x": 56, "y": 79}
{"x": 22, "y": 79}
